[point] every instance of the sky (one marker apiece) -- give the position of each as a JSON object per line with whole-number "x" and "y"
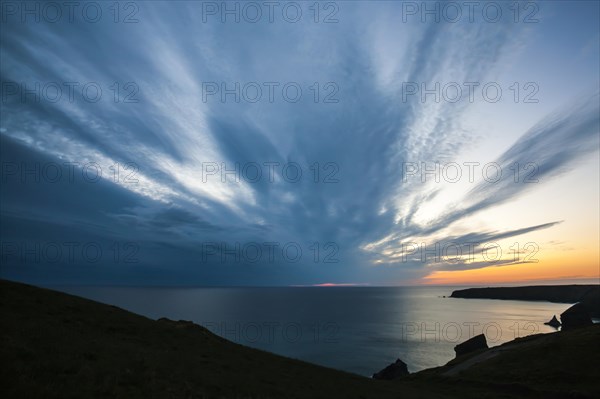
{"x": 299, "y": 143}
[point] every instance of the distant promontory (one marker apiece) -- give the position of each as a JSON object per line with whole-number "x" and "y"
{"x": 589, "y": 295}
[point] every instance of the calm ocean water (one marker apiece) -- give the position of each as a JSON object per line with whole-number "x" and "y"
{"x": 357, "y": 329}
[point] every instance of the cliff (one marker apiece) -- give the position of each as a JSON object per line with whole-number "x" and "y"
{"x": 587, "y": 294}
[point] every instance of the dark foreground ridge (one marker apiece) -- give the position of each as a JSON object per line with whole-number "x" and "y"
{"x": 586, "y": 294}
{"x": 56, "y": 345}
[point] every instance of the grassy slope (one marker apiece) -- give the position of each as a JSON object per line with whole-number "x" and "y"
{"x": 559, "y": 365}
{"x": 57, "y": 345}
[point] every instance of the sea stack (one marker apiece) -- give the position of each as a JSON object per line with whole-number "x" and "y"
{"x": 553, "y": 322}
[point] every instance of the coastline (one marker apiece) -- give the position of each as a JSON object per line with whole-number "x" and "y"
{"x": 587, "y": 294}
{"x": 59, "y": 345}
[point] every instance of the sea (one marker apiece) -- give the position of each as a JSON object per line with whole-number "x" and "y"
{"x": 355, "y": 329}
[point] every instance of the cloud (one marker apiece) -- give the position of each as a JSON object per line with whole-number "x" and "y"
{"x": 552, "y": 146}
{"x": 351, "y": 192}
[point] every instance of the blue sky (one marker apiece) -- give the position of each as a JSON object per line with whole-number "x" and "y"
{"x": 170, "y": 213}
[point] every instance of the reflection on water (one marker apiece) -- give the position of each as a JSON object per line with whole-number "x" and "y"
{"x": 357, "y": 329}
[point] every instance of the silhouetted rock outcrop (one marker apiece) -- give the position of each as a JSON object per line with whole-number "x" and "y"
{"x": 592, "y": 301}
{"x": 184, "y": 325}
{"x": 553, "y": 322}
{"x": 576, "y": 316}
{"x": 179, "y": 323}
{"x": 476, "y": 343}
{"x": 395, "y": 370}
